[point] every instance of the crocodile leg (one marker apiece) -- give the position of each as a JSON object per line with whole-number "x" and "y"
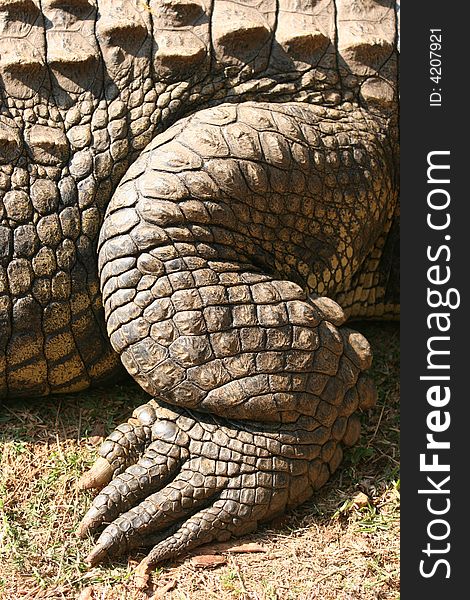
{"x": 238, "y": 473}
{"x": 224, "y": 475}
{"x": 213, "y": 254}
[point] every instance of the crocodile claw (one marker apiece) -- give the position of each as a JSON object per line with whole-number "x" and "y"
{"x": 200, "y": 478}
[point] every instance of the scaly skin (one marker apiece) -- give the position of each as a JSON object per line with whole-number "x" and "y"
{"x": 225, "y": 238}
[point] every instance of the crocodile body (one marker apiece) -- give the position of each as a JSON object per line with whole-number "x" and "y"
{"x": 195, "y": 187}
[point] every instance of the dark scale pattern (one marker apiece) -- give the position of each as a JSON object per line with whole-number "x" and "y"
{"x": 213, "y": 478}
{"x": 199, "y": 306}
{"x": 225, "y": 241}
{"x": 192, "y": 319}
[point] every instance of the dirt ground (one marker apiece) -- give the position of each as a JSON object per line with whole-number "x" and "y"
{"x": 343, "y": 544}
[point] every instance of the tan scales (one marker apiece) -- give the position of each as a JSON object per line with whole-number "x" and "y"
{"x": 204, "y": 190}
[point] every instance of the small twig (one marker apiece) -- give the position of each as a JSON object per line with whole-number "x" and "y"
{"x": 79, "y": 427}
{"x": 379, "y": 421}
{"x": 322, "y": 577}
{"x": 240, "y": 578}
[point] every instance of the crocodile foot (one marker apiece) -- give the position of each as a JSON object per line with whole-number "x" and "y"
{"x": 176, "y": 478}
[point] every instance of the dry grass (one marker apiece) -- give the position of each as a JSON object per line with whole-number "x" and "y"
{"x": 329, "y": 548}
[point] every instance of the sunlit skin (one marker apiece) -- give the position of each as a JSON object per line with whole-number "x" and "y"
{"x": 204, "y": 192}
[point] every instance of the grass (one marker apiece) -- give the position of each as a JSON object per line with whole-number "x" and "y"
{"x": 332, "y": 547}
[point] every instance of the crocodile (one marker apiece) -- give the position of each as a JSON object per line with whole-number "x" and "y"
{"x": 203, "y": 191}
